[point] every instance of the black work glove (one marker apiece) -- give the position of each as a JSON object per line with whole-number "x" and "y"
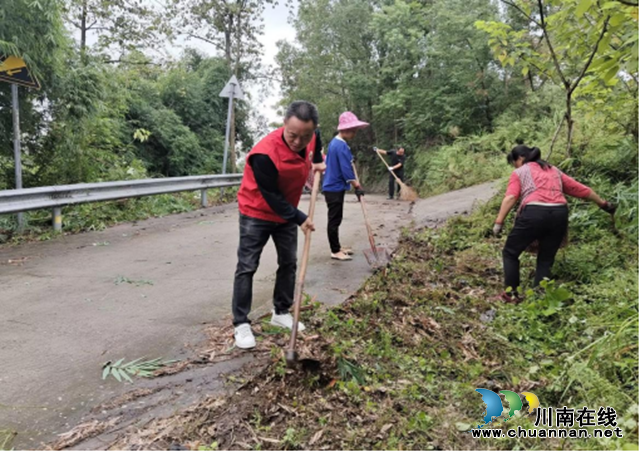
{"x": 359, "y": 193}
{"x": 609, "y": 208}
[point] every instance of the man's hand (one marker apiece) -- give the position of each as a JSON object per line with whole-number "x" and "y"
{"x": 375, "y": 149}
{"x": 497, "y": 228}
{"x": 609, "y": 208}
{"x": 359, "y": 192}
{"x": 322, "y": 167}
{"x": 390, "y": 168}
{"x": 307, "y": 226}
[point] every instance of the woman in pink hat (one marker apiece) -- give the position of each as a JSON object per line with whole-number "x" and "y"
{"x": 338, "y": 178}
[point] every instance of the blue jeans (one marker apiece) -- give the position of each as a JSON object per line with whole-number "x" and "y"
{"x": 254, "y": 235}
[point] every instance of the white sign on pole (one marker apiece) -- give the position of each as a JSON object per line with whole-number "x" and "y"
{"x": 232, "y": 89}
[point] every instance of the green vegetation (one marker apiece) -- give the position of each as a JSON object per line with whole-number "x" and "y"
{"x": 457, "y": 82}
{"x": 112, "y": 106}
{"x": 137, "y": 368}
{"x": 421, "y": 337}
{"x": 417, "y": 340}
{"x": 6, "y": 439}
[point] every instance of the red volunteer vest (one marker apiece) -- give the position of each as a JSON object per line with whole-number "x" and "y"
{"x": 292, "y": 174}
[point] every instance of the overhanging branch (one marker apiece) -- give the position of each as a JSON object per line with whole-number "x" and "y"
{"x": 543, "y": 25}
{"x": 593, "y": 54}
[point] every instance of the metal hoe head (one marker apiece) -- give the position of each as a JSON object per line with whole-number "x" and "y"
{"x": 307, "y": 364}
{"x": 292, "y": 357}
{"x": 378, "y": 258}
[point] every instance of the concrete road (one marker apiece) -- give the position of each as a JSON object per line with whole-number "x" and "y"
{"x": 145, "y": 289}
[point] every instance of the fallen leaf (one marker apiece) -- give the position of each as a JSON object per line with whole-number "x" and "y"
{"x": 316, "y": 437}
{"x": 269, "y": 440}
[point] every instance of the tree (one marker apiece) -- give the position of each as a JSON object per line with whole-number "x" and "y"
{"x": 233, "y": 27}
{"x": 119, "y": 26}
{"x": 583, "y": 39}
{"x": 419, "y": 71}
{"x": 436, "y": 64}
{"x": 332, "y": 63}
{"x": 35, "y": 32}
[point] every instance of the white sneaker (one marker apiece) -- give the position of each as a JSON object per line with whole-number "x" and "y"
{"x": 285, "y": 321}
{"x": 341, "y": 256}
{"x": 244, "y": 336}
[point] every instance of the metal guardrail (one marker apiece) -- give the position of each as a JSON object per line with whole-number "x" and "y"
{"x": 58, "y": 196}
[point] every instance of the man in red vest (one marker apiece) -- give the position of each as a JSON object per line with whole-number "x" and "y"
{"x": 274, "y": 175}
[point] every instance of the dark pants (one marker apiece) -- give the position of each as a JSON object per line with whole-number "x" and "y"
{"x": 393, "y": 183}
{"x": 548, "y": 225}
{"x": 254, "y": 235}
{"x": 335, "y": 205}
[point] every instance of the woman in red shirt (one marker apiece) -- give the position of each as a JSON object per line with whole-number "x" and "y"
{"x": 543, "y": 214}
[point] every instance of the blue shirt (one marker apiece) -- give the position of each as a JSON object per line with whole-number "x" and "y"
{"x": 339, "y": 170}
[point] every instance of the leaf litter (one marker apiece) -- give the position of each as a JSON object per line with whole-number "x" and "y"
{"x": 379, "y": 352}
{"x": 400, "y": 362}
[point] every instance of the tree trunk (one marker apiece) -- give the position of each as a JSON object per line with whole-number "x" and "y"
{"x": 569, "y": 125}
{"x": 231, "y": 164}
{"x": 487, "y": 102}
{"x": 555, "y": 137}
{"x": 530, "y": 77}
{"x": 227, "y": 40}
{"x": 232, "y": 138}
{"x": 236, "y": 66}
{"x": 83, "y": 31}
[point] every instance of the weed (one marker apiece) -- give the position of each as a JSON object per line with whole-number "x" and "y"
{"x": 212, "y": 446}
{"x": 124, "y": 280}
{"x": 136, "y": 368}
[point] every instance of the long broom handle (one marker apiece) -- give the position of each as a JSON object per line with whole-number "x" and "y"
{"x": 391, "y": 171}
{"x": 372, "y": 242}
{"x": 297, "y": 297}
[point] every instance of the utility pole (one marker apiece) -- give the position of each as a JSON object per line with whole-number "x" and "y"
{"x": 232, "y": 91}
{"x": 16, "y": 147}
{"x": 14, "y": 70}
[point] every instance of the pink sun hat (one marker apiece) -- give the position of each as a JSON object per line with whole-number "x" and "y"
{"x": 350, "y": 121}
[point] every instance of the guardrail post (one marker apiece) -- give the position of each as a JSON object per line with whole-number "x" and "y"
{"x": 203, "y": 198}
{"x": 57, "y": 219}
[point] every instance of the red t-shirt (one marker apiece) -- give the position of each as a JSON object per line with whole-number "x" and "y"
{"x": 536, "y": 185}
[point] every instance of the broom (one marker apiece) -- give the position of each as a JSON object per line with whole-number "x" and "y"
{"x": 406, "y": 193}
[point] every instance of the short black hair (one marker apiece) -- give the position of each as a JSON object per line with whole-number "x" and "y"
{"x": 303, "y": 110}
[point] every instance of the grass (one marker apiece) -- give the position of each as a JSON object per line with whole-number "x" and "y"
{"x": 6, "y": 439}
{"x": 416, "y": 334}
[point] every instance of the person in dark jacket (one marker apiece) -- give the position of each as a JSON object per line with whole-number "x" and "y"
{"x": 316, "y": 142}
{"x": 398, "y": 158}
{"x": 542, "y": 216}
{"x": 275, "y": 174}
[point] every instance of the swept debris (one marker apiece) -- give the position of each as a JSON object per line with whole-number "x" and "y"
{"x": 81, "y": 432}
{"x": 400, "y": 364}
